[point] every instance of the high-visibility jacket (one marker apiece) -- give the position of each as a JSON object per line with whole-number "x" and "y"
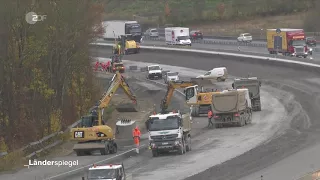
{"x": 136, "y": 135}
{"x": 210, "y": 114}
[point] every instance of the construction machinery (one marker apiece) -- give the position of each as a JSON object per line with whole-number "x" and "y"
{"x": 127, "y": 45}
{"x": 117, "y": 64}
{"x": 253, "y": 84}
{"x": 231, "y": 107}
{"x": 196, "y": 96}
{"x": 92, "y": 133}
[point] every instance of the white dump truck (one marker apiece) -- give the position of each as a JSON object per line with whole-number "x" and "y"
{"x": 169, "y": 132}
{"x": 232, "y": 107}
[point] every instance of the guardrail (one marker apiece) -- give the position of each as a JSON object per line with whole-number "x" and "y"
{"x": 220, "y": 42}
{"x": 258, "y": 35}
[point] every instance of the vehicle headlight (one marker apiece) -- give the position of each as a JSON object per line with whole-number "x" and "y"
{"x": 310, "y": 49}
{"x": 177, "y": 142}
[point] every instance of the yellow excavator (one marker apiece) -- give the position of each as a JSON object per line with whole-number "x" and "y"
{"x": 92, "y": 134}
{"x": 196, "y": 97}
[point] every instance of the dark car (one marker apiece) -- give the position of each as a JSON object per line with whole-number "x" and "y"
{"x": 311, "y": 41}
{"x": 196, "y": 35}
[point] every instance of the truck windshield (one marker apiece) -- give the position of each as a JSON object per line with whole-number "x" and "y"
{"x": 183, "y": 37}
{"x": 154, "y": 68}
{"x": 298, "y": 43}
{"x": 135, "y": 28}
{"x": 164, "y": 124}
{"x": 102, "y": 174}
{"x": 172, "y": 74}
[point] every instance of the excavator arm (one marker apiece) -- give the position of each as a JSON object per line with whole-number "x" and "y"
{"x": 172, "y": 85}
{"x": 117, "y": 81}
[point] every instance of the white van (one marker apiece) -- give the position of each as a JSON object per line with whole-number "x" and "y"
{"x": 219, "y": 74}
{"x": 177, "y": 36}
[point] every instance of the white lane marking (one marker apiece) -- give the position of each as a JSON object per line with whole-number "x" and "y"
{"x": 87, "y": 166}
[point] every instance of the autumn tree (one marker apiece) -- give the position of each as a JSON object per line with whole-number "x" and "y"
{"x": 45, "y": 72}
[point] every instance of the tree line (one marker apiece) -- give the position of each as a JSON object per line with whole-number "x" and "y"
{"x": 46, "y": 79}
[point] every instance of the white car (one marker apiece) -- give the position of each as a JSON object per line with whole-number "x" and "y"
{"x": 152, "y": 33}
{"x": 171, "y": 76}
{"x": 245, "y": 37}
{"x": 154, "y": 72}
{"x": 219, "y": 74}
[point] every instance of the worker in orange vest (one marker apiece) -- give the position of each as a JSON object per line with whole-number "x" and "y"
{"x": 136, "y": 137}
{"x": 210, "y": 115}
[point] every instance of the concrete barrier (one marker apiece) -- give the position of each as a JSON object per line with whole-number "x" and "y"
{"x": 295, "y": 63}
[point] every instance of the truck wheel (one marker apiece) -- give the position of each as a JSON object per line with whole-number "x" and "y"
{"x": 106, "y": 150}
{"x": 219, "y": 79}
{"x": 242, "y": 122}
{"x": 218, "y": 125}
{"x": 259, "y": 108}
{"x": 182, "y": 149}
{"x": 114, "y": 149}
{"x": 188, "y": 147}
{"x": 155, "y": 153}
{"x": 80, "y": 153}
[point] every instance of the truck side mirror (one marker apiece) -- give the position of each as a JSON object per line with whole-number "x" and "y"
{"x": 184, "y": 91}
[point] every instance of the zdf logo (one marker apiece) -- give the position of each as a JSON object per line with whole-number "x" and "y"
{"x": 32, "y": 17}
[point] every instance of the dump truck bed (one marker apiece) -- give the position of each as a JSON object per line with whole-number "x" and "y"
{"x": 230, "y": 101}
{"x": 186, "y": 122}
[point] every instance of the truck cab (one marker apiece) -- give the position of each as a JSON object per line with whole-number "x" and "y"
{"x": 288, "y": 42}
{"x": 169, "y": 132}
{"x": 154, "y": 72}
{"x": 107, "y": 172}
{"x": 253, "y": 84}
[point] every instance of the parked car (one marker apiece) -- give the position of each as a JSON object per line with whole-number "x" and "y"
{"x": 196, "y": 34}
{"x": 152, "y": 33}
{"x": 311, "y": 41}
{"x": 245, "y": 37}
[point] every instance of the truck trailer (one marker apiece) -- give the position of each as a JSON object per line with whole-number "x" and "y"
{"x": 177, "y": 36}
{"x": 231, "y": 107}
{"x": 289, "y": 42}
{"x": 116, "y": 29}
{"x": 169, "y": 132}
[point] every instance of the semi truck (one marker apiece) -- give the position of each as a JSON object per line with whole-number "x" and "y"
{"x": 253, "y": 84}
{"x": 177, "y": 36}
{"x": 289, "y": 42}
{"x": 168, "y": 132}
{"x": 116, "y": 29}
{"x": 231, "y": 107}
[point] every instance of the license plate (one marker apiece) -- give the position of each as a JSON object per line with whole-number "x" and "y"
{"x": 79, "y": 134}
{"x": 165, "y": 143}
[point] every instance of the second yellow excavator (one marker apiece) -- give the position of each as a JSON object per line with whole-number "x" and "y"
{"x": 196, "y": 97}
{"x": 92, "y": 133}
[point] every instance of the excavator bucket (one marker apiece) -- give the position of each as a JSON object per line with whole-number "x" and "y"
{"x": 202, "y": 82}
{"x": 127, "y": 107}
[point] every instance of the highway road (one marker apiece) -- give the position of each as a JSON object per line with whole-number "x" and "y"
{"x": 303, "y": 132}
{"x": 210, "y": 146}
{"x": 253, "y": 50}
